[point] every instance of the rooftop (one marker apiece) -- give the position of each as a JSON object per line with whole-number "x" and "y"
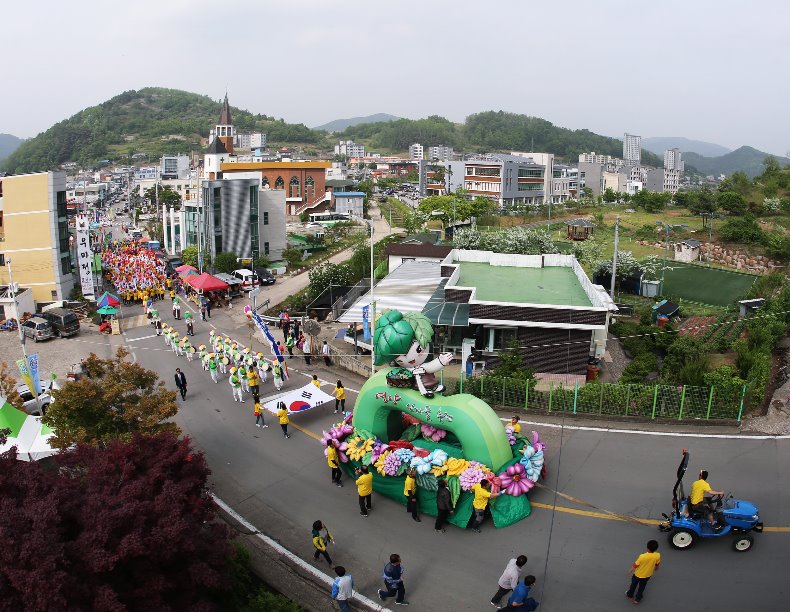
{"x": 554, "y": 285}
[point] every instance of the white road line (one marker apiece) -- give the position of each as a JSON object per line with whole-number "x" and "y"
{"x": 287, "y": 553}
{"x": 668, "y": 434}
{"x": 141, "y": 338}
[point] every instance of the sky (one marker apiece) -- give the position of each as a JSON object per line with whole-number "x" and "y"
{"x": 707, "y": 70}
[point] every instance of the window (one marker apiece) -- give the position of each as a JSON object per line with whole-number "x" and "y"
{"x": 487, "y": 171}
{"x": 265, "y": 248}
{"x": 65, "y": 265}
{"x": 264, "y": 181}
{"x": 309, "y": 189}
{"x": 60, "y": 199}
{"x": 530, "y": 172}
{"x": 279, "y": 183}
{"x": 530, "y": 186}
{"x": 2, "y": 259}
{"x": 54, "y": 295}
{"x": 500, "y": 338}
{"x": 266, "y": 218}
{"x": 294, "y": 188}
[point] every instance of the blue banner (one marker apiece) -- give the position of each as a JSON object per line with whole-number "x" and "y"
{"x": 366, "y": 323}
{"x": 32, "y": 362}
{"x": 264, "y": 327}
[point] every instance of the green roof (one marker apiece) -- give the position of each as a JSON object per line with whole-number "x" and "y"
{"x": 440, "y": 312}
{"x": 519, "y": 285}
{"x": 11, "y": 418}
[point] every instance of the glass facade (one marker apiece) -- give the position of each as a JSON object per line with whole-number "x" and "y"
{"x": 254, "y": 235}
{"x": 216, "y": 207}
{"x": 530, "y": 172}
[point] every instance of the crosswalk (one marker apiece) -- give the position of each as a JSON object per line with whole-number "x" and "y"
{"x": 134, "y": 322}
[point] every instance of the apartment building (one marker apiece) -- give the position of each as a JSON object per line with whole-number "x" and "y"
{"x": 673, "y": 160}
{"x": 596, "y": 158}
{"x": 507, "y": 179}
{"x": 349, "y": 148}
{"x": 632, "y": 149}
{"x": 440, "y": 153}
{"x": 415, "y": 151}
{"x": 34, "y": 234}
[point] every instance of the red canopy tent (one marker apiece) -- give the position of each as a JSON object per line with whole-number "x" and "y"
{"x": 205, "y": 282}
{"x": 185, "y": 267}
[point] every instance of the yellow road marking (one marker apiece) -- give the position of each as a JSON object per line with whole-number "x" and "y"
{"x": 567, "y": 510}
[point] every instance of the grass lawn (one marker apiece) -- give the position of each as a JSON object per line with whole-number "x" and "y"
{"x": 705, "y": 285}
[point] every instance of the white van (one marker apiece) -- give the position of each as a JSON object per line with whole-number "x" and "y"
{"x": 247, "y": 278}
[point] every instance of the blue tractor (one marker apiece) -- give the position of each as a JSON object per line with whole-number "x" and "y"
{"x": 736, "y": 517}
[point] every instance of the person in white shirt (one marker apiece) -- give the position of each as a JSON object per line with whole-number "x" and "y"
{"x": 343, "y": 588}
{"x": 325, "y": 352}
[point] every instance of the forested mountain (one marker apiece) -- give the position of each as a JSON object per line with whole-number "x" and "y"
{"x": 152, "y": 120}
{"x": 8, "y": 144}
{"x": 338, "y": 125}
{"x": 745, "y": 159}
{"x": 490, "y": 131}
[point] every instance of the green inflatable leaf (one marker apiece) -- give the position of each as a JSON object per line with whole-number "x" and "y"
{"x": 454, "y": 484}
{"x": 423, "y": 330}
{"x": 427, "y": 481}
{"x": 410, "y": 433}
{"x": 404, "y": 466}
{"x": 392, "y": 337}
{"x": 366, "y": 458}
{"x": 363, "y": 433}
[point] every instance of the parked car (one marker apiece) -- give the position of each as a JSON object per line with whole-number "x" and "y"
{"x": 247, "y": 278}
{"x": 38, "y": 329}
{"x": 264, "y": 276}
{"x": 64, "y": 322}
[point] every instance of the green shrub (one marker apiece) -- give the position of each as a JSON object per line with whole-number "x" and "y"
{"x": 643, "y": 364}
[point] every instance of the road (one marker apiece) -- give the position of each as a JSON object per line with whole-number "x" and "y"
{"x": 580, "y": 559}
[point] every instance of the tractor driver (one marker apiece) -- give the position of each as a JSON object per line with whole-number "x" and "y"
{"x": 699, "y": 489}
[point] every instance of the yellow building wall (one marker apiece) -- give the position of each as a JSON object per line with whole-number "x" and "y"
{"x": 27, "y": 237}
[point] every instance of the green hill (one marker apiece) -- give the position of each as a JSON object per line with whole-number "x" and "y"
{"x": 8, "y": 144}
{"x": 152, "y": 121}
{"x": 490, "y": 131}
{"x": 338, "y": 125}
{"x": 745, "y": 159}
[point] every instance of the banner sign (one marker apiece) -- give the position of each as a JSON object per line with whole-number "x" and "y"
{"x": 32, "y": 362}
{"x": 24, "y": 372}
{"x": 84, "y": 256}
{"x": 264, "y": 327}
{"x": 301, "y": 399}
{"x": 366, "y": 323}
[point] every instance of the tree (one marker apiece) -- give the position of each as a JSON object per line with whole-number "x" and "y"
{"x": 167, "y": 195}
{"x": 733, "y": 203}
{"x": 610, "y": 195}
{"x": 511, "y": 364}
{"x": 651, "y": 201}
{"x": 700, "y": 202}
{"x": 453, "y": 207}
{"x": 190, "y": 256}
{"x": 8, "y": 382}
{"x": 321, "y": 277}
{"x": 262, "y": 262}
{"x": 129, "y": 526}
{"x": 292, "y": 257}
{"x": 115, "y": 400}
{"x": 412, "y": 222}
{"x": 744, "y": 230}
{"x": 587, "y": 193}
{"x": 225, "y": 262}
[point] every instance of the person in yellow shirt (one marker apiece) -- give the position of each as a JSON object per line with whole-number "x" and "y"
{"x": 515, "y": 425}
{"x": 315, "y": 381}
{"x": 410, "y": 492}
{"x": 334, "y": 462}
{"x": 699, "y": 488}
{"x": 364, "y": 489}
{"x": 282, "y": 414}
{"x": 482, "y": 494}
{"x": 643, "y": 568}
{"x": 340, "y": 396}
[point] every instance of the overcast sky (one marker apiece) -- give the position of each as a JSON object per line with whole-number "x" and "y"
{"x": 703, "y": 69}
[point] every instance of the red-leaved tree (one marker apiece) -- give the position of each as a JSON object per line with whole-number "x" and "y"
{"x": 129, "y": 526}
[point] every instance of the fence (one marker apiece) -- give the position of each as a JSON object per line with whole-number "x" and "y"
{"x": 679, "y": 403}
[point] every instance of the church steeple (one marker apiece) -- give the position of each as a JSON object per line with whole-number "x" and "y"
{"x": 224, "y": 131}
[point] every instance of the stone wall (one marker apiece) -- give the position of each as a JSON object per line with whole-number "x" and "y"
{"x": 730, "y": 258}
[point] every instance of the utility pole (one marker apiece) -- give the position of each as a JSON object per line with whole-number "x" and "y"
{"x": 199, "y": 215}
{"x": 12, "y": 288}
{"x": 614, "y": 257}
{"x": 372, "y": 306}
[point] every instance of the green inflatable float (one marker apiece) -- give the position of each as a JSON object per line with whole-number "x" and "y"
{"x": 402, "y": 421}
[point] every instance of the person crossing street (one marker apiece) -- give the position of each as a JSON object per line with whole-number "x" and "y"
{"x": 181, "y": 383}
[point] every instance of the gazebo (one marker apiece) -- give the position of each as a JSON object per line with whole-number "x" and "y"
{"x": 579, "y": 229}
{"x": 205, "y": 282}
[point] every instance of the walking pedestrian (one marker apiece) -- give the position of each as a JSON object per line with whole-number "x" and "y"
{"x": 444, "y": 505}
{"x": 158, "y": 326}
{"x": 643, "y": 569}
{"x": 181, "y": 383}
{"x": 203, "y": 311}
{"x": 340, "y": 396}
{"x": 235, "y": 385}
{"x": 326, "y": 353}
{"x": 252, "y": 381}
{"x": 243, "y": 379}
{"x": 259, "y": 421}
{"x": 410, "y": 491}
{"x": 277, "y": 375}
{"x": 176, "y": 309}
{"x": 334, "y": 463}
{"x": 520, "y": 601}
{"x": 393, "y": 581}
{"x": 289, "y": 344}
{"x": 480, "y": 503}
{"x": 315, "y": 381}
{"x": 307, "y": 349}
{"x": 282, "y": 414}
{"x": 364, "y": 483}
{"x": 208, "y": 308}
{"x": 509, "y": 579}
{"x": 321, "y": 537}
{"x": 342, "y": 588}
{"x": 212, "y": 367}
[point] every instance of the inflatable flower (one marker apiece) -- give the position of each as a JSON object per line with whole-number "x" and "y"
{"x": 392, "y": 463}
{"x": 421, "y": 464}
{"x": 514, "y": 480}
{"x": 456, "y": 466}
{"x": 438, "y": 457}
{"x": 341, "y": 447}
{"x": 421, "y": 452}
{"x": 511, "y": 435}
{"x": 381, "y": 460}
{"x": 393, "y": 444}
{"x": 433, "y": 433}
{"x": 540, "y": 446}
{"x": 471, "y": 476}
{"x": 358, "y": 448}
{"x": 532, "y": 462}
{"x": 378, "y": 448}
{"x": 439, "y": 470}
{"x": 405, "y": 454}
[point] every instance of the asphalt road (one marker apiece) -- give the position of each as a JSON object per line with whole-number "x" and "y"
{"x": 579, "y": 558}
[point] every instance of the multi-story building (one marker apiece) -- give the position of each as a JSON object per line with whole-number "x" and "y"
{"x": 506, "y": 179}
{"x": 415, "y": 151}
{"x": 565, "y": 183}
{"x": 257, "y": 140}
{"x": 351, "y": 203}
{"x": 240, "y": 217}
{"x": 146, "y": 173}
{"x": 440, "y": 153}
{"x": 663, "y": 180}
{"x": 596, "y": 158}
{"x": 34, "y": 234}
{"x": 632, "y": 149}
{"x": 174, "y": 166}
{"x": 224, "y": 130}
{"x": 592, "y": 175}
{"x": 673, "y": 160}
{"x": 349, "y": 148}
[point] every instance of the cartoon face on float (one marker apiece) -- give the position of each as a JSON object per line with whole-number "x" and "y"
{"x": 414, "y": 357}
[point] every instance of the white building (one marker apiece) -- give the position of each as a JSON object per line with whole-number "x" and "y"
{"x": 415, "y": 151}
{"x": 673, "y": 160}
{"x": 632, "y": 149}
{"x": 174, "y": 166}
{"x": 441, "y": 153}
{"x": 257, "y": 140}
{"x": 349, "y": 148}
{"x": 146, "y": 173}
{"x": 596, "y": 158}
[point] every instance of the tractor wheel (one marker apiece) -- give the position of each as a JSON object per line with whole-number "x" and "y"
{"x": 682, "y": 539}
{"x": 743, "y": 543}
